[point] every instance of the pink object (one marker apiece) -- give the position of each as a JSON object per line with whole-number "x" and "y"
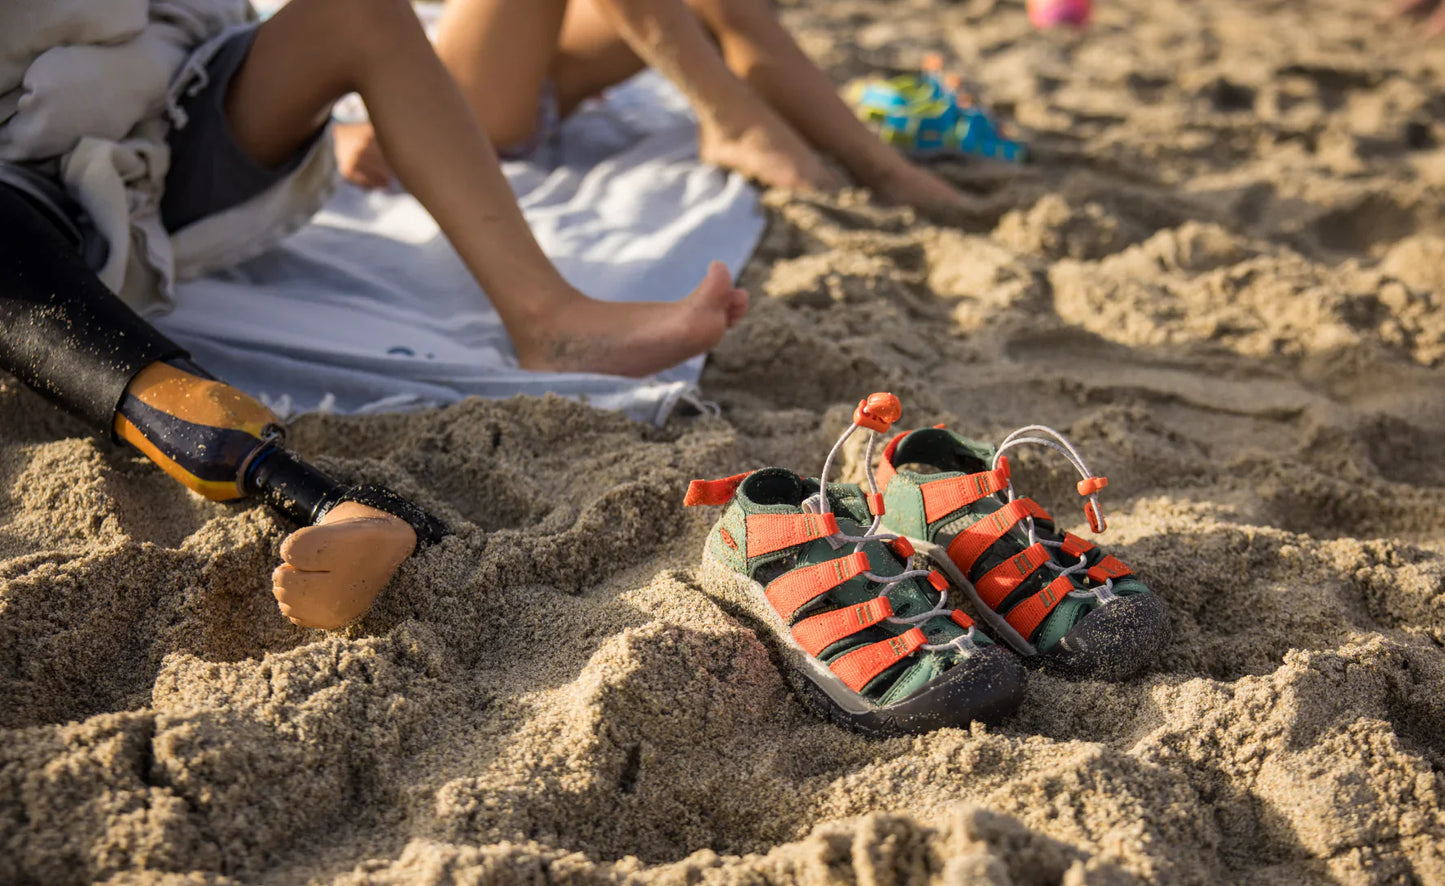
{"x": 1052, "y": 13}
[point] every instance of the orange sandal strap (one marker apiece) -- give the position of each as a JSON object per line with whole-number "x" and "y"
{"x": 792, "y": 591}
{"x": 1028, "y": 615}
{"x": 1110, "y": 567}
{"x": 943, "y": 497}
{"x": 996, "y": 584}
{"x": 971, "y": 543}
{"x": 1075, "y": 546}
{"x": 713, "y": 492}
{"x": 770, "y": 533}
{"x": 858, "y": 668}
{"x": 885, "y": 470}
{"x": 818, "y": 632}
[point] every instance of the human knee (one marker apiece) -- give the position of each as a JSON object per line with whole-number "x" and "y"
{"x": 201, "y": 431}
{"x": 731, "y": 15}
{"x": 357, "y": 28}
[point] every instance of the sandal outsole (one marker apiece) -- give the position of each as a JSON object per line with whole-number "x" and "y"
{"x": 986, "y": 687}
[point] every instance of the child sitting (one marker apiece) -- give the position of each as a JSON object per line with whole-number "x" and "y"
{"x": 211, "y": 142}
{"x": 763, "y": 108}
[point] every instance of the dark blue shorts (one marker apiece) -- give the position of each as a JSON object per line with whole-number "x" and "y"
{"x": 209, "y": 172}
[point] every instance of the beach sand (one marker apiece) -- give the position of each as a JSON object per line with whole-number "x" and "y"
{"x": 1223, "y": 279}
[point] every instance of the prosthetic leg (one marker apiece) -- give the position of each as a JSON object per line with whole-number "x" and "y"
{"x": 71, "y": 340}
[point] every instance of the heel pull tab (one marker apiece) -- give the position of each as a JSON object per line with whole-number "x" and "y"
{"x": 713, "y": 492}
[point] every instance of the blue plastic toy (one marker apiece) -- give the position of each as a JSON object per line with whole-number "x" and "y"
{"x": 926, "y": 115}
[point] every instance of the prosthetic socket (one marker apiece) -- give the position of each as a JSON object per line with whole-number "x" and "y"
{"x": 221, "y": 443}
{"x": 75, "y": 343}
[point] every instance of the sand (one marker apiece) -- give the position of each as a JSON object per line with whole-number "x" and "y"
{"x": 1224, "y": 279}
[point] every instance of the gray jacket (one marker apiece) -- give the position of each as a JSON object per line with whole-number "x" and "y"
{"x": 96, "y": 86}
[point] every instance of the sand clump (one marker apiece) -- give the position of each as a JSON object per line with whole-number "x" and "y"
{"x": 1223, "y": 279}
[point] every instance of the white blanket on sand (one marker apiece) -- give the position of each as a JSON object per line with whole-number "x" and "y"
{"x": 369, "y": 309}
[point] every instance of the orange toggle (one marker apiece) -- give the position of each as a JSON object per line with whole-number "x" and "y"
{"x": 713, "y": 492}
{"x": 875, "y": 503}
{"x": 1096, "y": 518}
{"x": 939, "y": 582}
{"x": 1091, "y": 485}
{"x": 878, "y": 412}
{"x": 902, "y": 547}
{"x": 960, "y": 618}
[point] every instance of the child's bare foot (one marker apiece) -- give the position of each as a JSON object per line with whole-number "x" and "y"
{"x": 334, "y": 570}
{"x": 908, "y": 185}
{"x": 765, "y": 150}
{"x": 359, "y": 157}
{"x": 630, "y": 338}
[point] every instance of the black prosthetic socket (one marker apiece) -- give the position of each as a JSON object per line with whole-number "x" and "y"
{"x": 73, "y": 341}
{"x": 305, "y": 494}
{"x": 64, "y": 334}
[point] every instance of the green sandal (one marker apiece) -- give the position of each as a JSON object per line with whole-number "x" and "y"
{"x": 1052, "y": 596}
{"x": 867, "y": 640}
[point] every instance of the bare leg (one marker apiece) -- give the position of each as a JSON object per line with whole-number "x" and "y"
{"x": 484, "y": 45}
{"x": 500, "y": 52}
{"x": 737, "y": 130}
{"x": 523, "y": 44}
{"x": 597, "y": 49}
{"x": 759, "y": 49}
{"x": 314, "y": 51}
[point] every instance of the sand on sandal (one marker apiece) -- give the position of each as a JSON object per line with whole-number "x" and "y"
{"x": 1223, "y": 279}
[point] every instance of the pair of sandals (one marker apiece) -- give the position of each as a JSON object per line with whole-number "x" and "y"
{"x": 851, "y": 585}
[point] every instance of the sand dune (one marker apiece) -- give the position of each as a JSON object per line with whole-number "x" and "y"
{"x": 1223, "y": 279}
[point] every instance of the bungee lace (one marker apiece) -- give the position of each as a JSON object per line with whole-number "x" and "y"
{"x": 820, "y": 504}
{"x": 1104, "y": 593}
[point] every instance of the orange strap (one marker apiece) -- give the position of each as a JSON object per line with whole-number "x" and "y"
{"x": 1003, "y": 579}
{"x": 819, "y": 632}
{"x": 886, "y": 470}
{"x": 1107, "y": 568}
{"x": 1076, "y": 547}
{"x": 1028, "y": 615}
{"x": 792, "y": 591}
{"x": 859, "y": 667}
{"x": 943, "y": 497}
{"x": 971, "y": 543}
{"x": 768, "y": 533}
{"x": 713, "y": 492}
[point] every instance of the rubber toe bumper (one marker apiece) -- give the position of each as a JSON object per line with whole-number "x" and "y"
{"x": 1114, "y": 642}
{"x": 986, "y": 687}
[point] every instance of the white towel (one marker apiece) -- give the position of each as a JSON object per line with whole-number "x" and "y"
{"x": 369, "y": 308}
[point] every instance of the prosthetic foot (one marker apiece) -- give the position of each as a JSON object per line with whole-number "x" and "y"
{"x": 74, "y": 342}
{"x": 224, "y": 445}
